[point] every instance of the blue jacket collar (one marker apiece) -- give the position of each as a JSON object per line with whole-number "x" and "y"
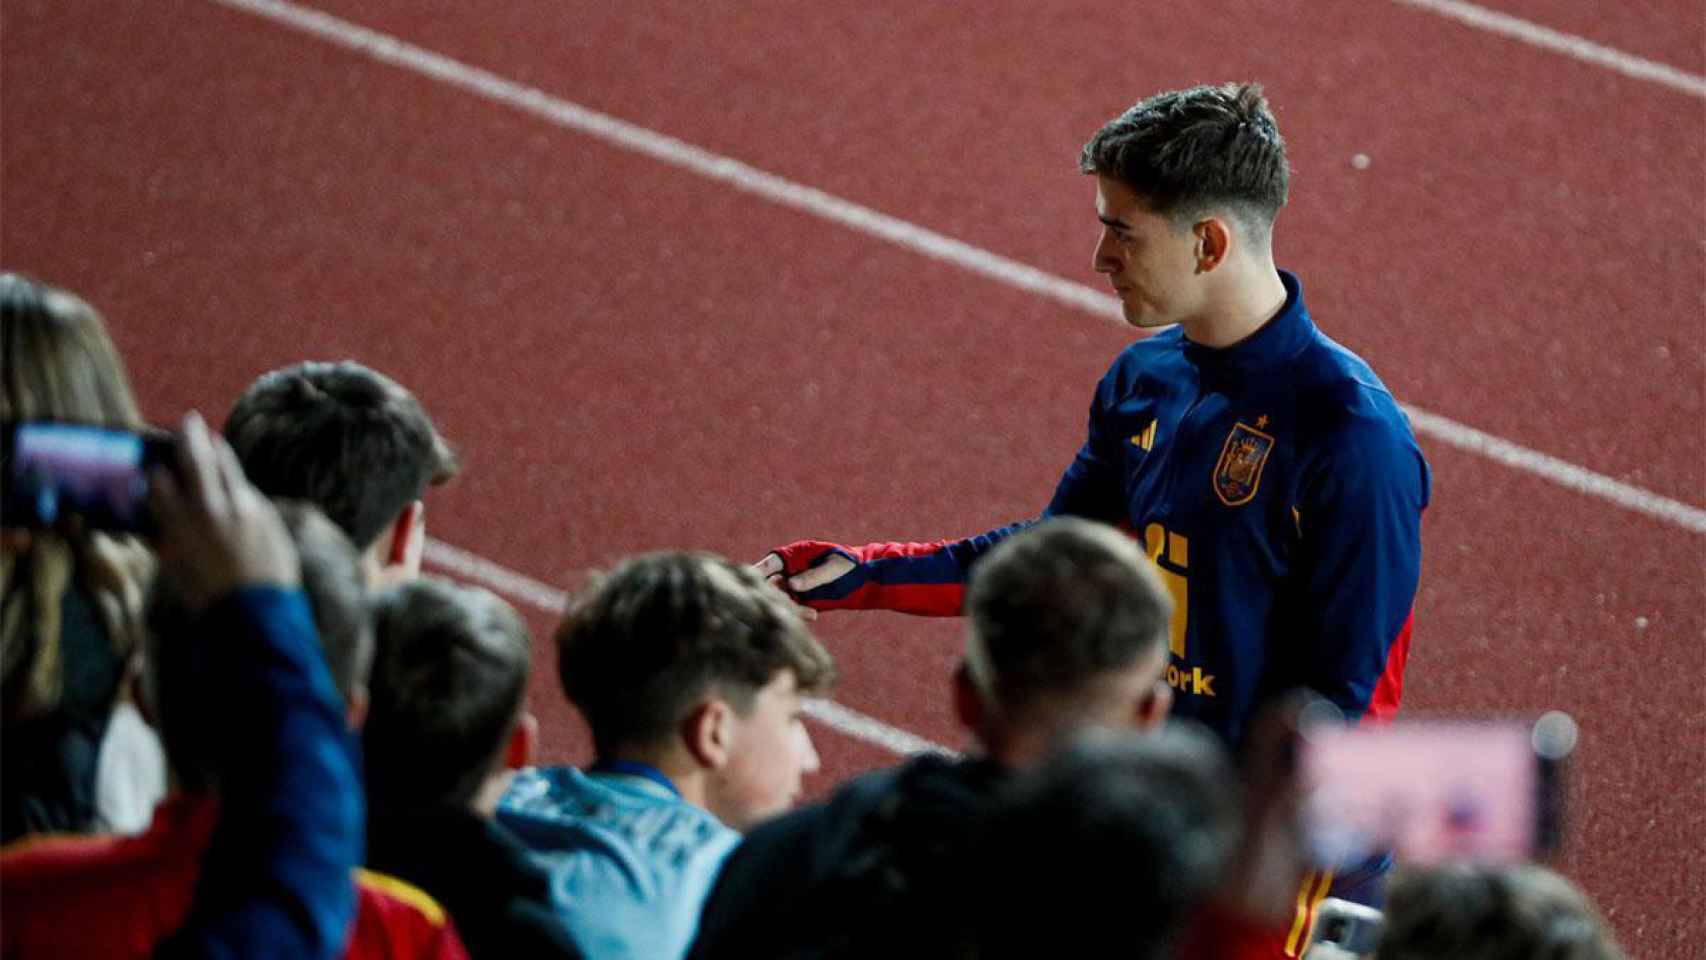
{"x": 635, "y": 770}
{"x": 1275, "y": 341}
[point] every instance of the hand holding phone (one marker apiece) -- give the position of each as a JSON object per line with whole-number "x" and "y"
{"x": 1434, "y": 791}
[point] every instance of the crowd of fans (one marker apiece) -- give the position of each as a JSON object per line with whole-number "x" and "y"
{"x": 258, "y": 730}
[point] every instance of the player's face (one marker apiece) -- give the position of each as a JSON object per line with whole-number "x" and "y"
{"x": 1151, "y": 263}
{"x": 769, "y": 751}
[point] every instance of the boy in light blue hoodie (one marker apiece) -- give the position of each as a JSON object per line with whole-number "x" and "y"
{"x": 690, "y": 670}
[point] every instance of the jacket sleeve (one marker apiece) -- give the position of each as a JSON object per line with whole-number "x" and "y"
{"x": 1359, "y": 523}
{"x": 275, "y": 879}
{"x": 929, "y": 578}
{"x": 1091, "y": 487}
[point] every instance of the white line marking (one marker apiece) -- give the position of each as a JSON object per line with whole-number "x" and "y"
{"x": 1561, "y": 472}
{"x": 521, "y": 587}
{"x": 678, "y": 153}
{"x": 855, "y": 724}
{"x": 517, "y": 586}
{"x": 1567, "y": 44}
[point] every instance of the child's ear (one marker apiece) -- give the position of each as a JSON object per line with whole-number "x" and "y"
{"x": 518, "y": 753}
{"x": 709, "y": 732}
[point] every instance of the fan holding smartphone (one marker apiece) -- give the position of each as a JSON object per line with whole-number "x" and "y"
{"x": 73, "y": 590}
{"x": 78, "y": 476}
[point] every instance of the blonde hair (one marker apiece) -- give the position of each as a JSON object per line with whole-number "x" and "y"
{"x": 58, "y": 363}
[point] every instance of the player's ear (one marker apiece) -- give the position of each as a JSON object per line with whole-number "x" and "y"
{"x": 1213, "y": 243}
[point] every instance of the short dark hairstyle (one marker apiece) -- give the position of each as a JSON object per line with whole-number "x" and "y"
{"x": 1058, "y": 604}
{"x": 1185, "y": 151}
{"x": 1487, "y": 913}
{"x": 448, "y": 683}
{"x": 342, "y": 436}
{"x": 337, "y": 595}
{"x": 1159, "y": 811}
{"x": 642, "y": 643}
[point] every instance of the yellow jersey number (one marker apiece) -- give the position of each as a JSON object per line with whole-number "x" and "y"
{"x": 1172, "y": 555}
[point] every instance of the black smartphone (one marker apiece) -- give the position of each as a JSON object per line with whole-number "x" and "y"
{"x": 56, "y": 472}
{"x": 1485, "y": 791}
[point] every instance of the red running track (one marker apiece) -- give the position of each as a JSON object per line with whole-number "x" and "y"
{"x": 633, "y": 357}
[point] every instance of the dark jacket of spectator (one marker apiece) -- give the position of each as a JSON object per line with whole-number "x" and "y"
{"x": 500, "y": 897}
{"x": 888, "y": 848}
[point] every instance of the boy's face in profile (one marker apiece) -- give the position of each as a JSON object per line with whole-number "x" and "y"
{"x": 769, "y": 752}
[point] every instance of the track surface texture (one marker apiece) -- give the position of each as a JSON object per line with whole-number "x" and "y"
{"x": 633, "y": 356}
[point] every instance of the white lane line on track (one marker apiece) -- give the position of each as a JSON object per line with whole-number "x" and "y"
{"x": 1561, "y": 472}
{"x": 1567, "y": 44}
{"x": 669, "y": 150}
{"x": 518, "y": 586}
{"x": 679, "y": 153}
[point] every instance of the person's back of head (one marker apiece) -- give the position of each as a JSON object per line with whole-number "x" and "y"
{"x": 690, "y": 656}
{"x": 351, "y": 441}
{"x": 449, "y": 682}
{"x": 1105, "y": 849}
{"x": 337, "y": 596}
{"x": 59, "y": 362}
{"x": 1068, "y": 628}
{"x": 1188, "y": 152}
{"x": 1485, "y": 913}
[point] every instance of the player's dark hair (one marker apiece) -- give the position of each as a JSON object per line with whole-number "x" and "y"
{"x": 337, "y": 595}
{"x": 1159, "y": 811}
{"x": 342, "y": 436}
{"x": 1186, "y": 151}
{"x": 1488, "y": 913}
{"x": 448, "y": 682}
{"x": 1059, "y": 604}
{"x": 644, "y": 642}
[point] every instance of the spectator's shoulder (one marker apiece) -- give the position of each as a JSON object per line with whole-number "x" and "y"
{"x": 396, "y": 919}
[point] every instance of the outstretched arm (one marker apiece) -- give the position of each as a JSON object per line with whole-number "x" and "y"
{"x": 920, "y": 578}
{"x": 929, "y": 578}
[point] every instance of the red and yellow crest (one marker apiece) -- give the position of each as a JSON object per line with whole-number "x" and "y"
{"x": 1239, "y": 471}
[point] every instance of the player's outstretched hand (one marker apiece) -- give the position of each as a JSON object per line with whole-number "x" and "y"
{"x": 216, "y": 531}
{"x": 804, "y": 566}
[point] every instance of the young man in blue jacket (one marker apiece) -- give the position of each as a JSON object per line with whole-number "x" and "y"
{"x": 1266, "y": 469}
{"x": 690, "y": 673}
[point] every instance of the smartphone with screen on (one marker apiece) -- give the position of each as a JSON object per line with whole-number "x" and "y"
{"x": 55, "y": 472}
{"x": 1433, "y": 791}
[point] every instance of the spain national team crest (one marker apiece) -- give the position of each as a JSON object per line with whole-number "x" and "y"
{"x": 1239, "y": 471}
